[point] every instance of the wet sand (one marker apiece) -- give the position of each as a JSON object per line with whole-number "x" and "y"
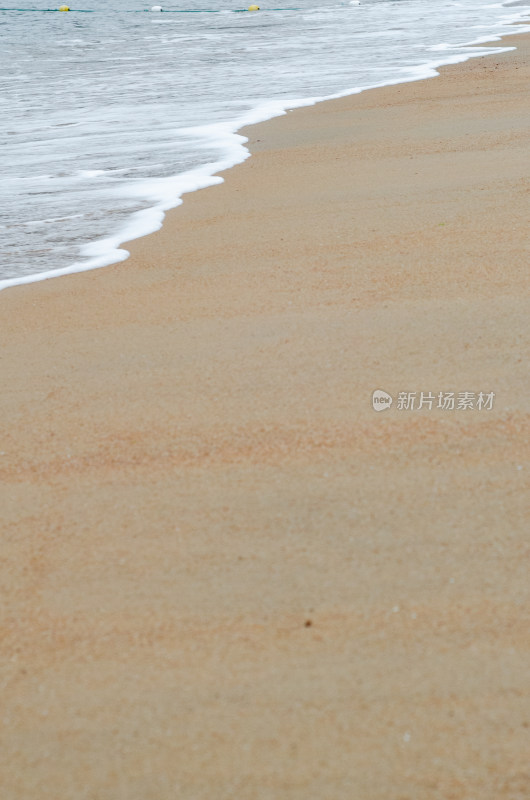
{"x": 223, "y": 574}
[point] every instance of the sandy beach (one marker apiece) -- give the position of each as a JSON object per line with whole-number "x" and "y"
{"x": 223, "y": 574}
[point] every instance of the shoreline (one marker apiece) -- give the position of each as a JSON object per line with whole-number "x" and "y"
{"x": 208, "y": 175}
{"x": 224, "y": 575}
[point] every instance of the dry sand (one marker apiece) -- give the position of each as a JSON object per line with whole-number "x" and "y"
{"x": 192, "y": 473}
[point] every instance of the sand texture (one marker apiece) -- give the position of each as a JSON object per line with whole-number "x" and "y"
{"x": 223, "y": 575}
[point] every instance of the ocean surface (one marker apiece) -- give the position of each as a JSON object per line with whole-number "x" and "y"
{"x": 110, "y": 112}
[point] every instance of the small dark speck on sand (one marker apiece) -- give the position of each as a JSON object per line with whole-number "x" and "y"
{"x": 308, "y": 623}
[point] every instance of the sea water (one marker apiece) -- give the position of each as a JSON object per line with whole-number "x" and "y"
{"x": 110, "y": 113}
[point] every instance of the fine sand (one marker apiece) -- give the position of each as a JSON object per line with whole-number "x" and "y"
{"x": 223, "y": 575}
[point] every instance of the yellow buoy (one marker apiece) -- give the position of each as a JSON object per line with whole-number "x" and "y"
{"x": 253, "y": 8}
{"x": 64, "y": 8}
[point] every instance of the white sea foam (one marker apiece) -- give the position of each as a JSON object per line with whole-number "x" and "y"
{"x": 124, "y": 133}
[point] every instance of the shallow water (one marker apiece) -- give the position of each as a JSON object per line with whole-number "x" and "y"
{"x": 109, "y": 114}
